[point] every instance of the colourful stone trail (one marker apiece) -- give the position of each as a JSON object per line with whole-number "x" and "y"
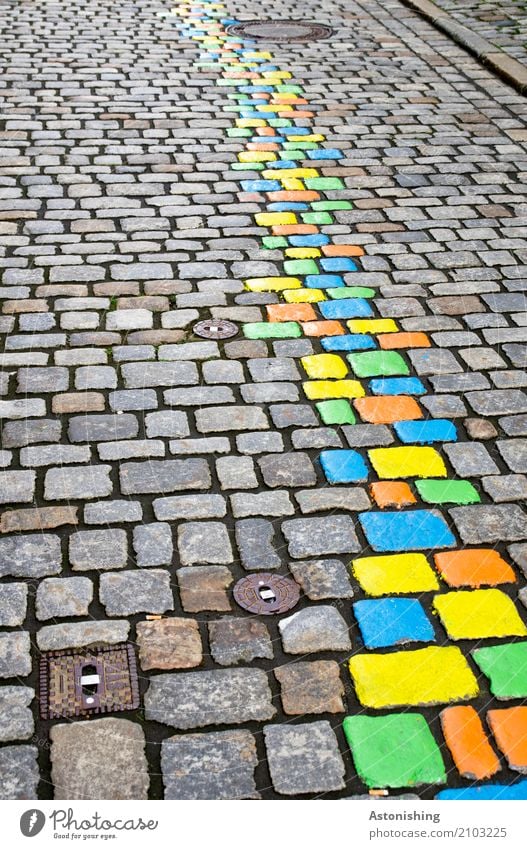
{"x": 362, "y": 376}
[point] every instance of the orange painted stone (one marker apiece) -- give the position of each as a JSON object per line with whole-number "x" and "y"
{"x": 509, "y": 726}
{"x": 323, "y": 328}
{"x": 263, "y": 146}
{"x": 265, "y": 131}
{"x": 392, "y": 494}
{"x": 474, "y": 567}
{"x": 389, "y": 341}
{"x": 465, "y": 736}
{"x": 294, "y": 229}
{"x": 291, "y": 312}
{"x": 342, "y": 250}
{"x": 386, "y": 409}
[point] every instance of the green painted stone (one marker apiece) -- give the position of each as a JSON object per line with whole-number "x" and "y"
{"x": 238, "y": 132}
{"x": 289, "y": 88}
{"x": 331, "y": 204}
{"x": 506, "y": 668}
{"x": 292, "y": 154}
{"x": 280, "y": 122}
{"x": 272, "y": 330}
{"x": 300, "y": 145}
{"x": 324, "y": 183}
{"x": 447, "y": 491}
{"x": 378, "y": 363}
{"x": 351, "y": 292}
{"x": 337, "y": 412}
{"x": 300, "y": 266}
{"x": 397, "y": 750}
{"x": 274, "y": 242}
{"x": 247, "y": 166}
{"x": 317, "y": 218}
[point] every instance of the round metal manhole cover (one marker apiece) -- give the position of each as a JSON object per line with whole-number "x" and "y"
{"x": 281, "y": 30}
{"x": 215, "y": 329}
{"x": 266, "y": 593}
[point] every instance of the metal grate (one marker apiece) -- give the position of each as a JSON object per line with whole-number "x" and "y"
{"x": 96, "y": 680}
{"x": 281, "y": 30}
{"x": 215, "y": 329}
{"x": 266, "y": 593}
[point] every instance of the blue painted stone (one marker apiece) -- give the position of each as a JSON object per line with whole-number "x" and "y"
{"x": 397, "y": 386}
{"x": 346, "y": 308}
{"x": 348, "y": 342}
{"x": 285, "y": 206}
{"x": 392, "y": 621}
{"x": 425, "y": 432}
{"x": 341, "y": 466}
{"x": 260, "y": 185}
{"x": 299, "y": 131}
{"x": 281, "y": 164}
{"x": 511, "y": 792}
{"x": 338, "y": 263}
{"x": 325, "y": 153}
{"x": 251, "y": 89}
{"x": 413, "y": 530}
{"x": 313, "y": 241}
{"x": 323, "y": 281}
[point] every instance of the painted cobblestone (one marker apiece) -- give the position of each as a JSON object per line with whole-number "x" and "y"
{"x": 373, "y": 267}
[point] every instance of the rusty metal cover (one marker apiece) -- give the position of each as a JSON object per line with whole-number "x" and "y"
{"x": 266, "y": 593}
{"x": 281, "y": 30}
{"x": 100, "y": 679}
{"x": 215, "y": 329}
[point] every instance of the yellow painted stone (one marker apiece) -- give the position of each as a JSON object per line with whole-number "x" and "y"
{"x": 431, "y": 676}
{"x": 324, "y": 365}
{"x": 476, "y": 614}
{"x": 250, "y": 122}
{"x": 289, "y": 184}
{"x": 314, "y": 137}
{"x": 411, "y": 461}
{"x": 269, "y": 219}
{"x": 275, "y": 107}
{"x": 303, "y": 296}
{"x": 395, "y": 573}
{"x": 256, "y": 156}
{"x": 257, "y": 54}
{"x": 277, "y": 75}
{"x": 299, "y": 173}
{"x": 272, "y": 284}
{"x": 372, "y": 325}
{"x": 318, "y": 390}
{"x": 302, "y": 253}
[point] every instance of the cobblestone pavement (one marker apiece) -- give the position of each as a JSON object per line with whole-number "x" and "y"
{"x": 502, "y": 22}
{"x": 356, "y": 207}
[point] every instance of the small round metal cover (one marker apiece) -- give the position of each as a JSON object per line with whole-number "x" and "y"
{"x": 281, "y": 30}
{"x": 266, "y": 593}
{"x": 215, "y": 329}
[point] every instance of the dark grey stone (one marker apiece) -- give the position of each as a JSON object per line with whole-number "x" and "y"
{"x": 254, "y": 538}
{"x": 153, "y": 544}
{"x": 16, "y": 718}
{"x": 219, "y": 765}
{"x": 104, "y": 428}
{"x": 314, "y": 629}
{"x": 99, "y": 549}
{"x": 304, "y": 758}
{"x": 30, "y": 556}
{"x": 164, "y": 476}
{"x": 204, "y": 542}
{"x": 315, "y": 536}
{"x": 19, "y": 772}
{"x": 490, "y": 523}
{"x": 136, "y": 591}
{"x": 322, "y": 579}
{"x": 211, "y": 697}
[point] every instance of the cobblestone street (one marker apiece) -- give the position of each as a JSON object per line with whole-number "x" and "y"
{"x": 352, "y": 211}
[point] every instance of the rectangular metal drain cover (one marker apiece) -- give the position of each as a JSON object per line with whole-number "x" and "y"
{"x": 100, "y": 679}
